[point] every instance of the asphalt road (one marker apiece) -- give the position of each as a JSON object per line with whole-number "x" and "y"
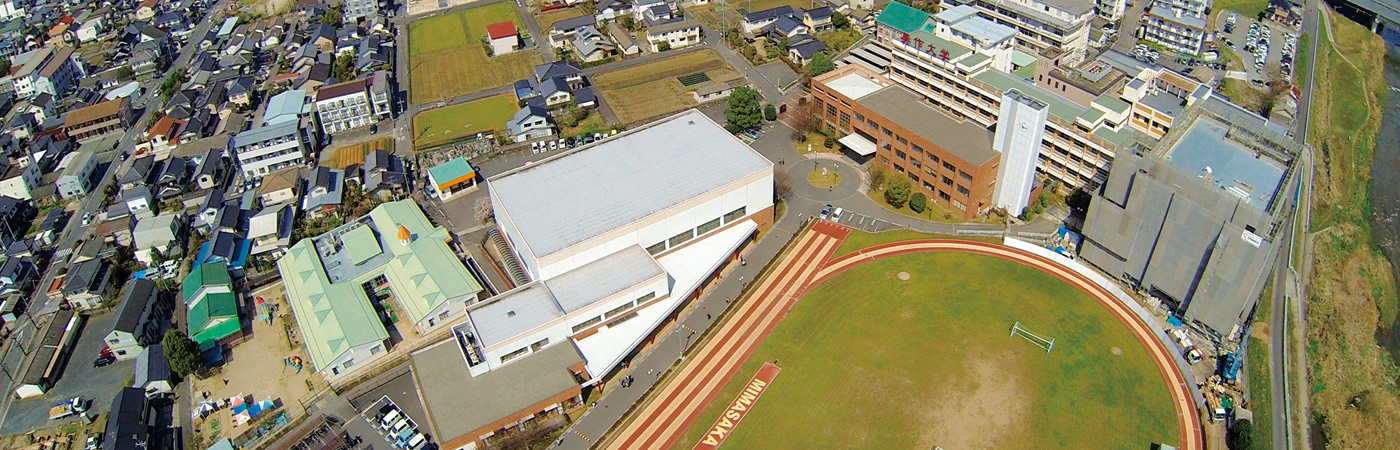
{"x": 79, "y": 379}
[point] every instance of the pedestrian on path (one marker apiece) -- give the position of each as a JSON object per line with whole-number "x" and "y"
{"x": 707, "y": 317}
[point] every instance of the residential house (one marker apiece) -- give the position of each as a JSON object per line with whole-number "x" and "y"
{"x": 590, "y": 45}
{"x": 76, "y": 178}
{"x": 531, "y": 122}
{"x": 354, "y": 10}
{"x": 625, "y": 43}
{"x": 138, "y": 201}
{"x": 152, "y": 373}
{"x": 564, "y": 30}
{"x": 679, "y": 34}
{"x": 504, "y": 37}
{"x": 90, "y": 30}
{"x": 162, "y": 138}
{"x": 384, "y": 175}
{"x": 281, "y": 186}
{"x": 18, "y": 273}
{"x": 241, "y": 91}
{"x": 803, "y": 47}
{"x": 211, "y": 170}
{"x": 147, "y": 9}
{"x": 20, "y": 177}
{"x": 129, "y": 329}
{"x": 610, "y": 10}
{"x": 86, "y": 283}
{"x": 759, "y": 21}
{"x": 818, "y": 20}
{"x": 324, "y": 188}
{"x": 160, "y": 234}
{"x": 15, "y": 217}
{"x": 270, "y": 230}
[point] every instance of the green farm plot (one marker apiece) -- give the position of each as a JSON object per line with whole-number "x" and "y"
{"x": 443, "y": 125}
{"x": 448, "y": 59}
{"x": 693, "y": 79}
{"x": 870, "y": 361}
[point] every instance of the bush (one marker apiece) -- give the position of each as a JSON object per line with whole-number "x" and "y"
{"x": 918, "y": 202}
{"x": 770, "y": 113}
{"x": 829, "y": 142}
{"x": 898, "y": 192}
{"x": 1241, "y": 437}
{"x": 182, "y": 353}
{"x": 877, "y": 177}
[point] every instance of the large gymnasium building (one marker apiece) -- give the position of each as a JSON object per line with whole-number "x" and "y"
{"x": 615, "y": 237}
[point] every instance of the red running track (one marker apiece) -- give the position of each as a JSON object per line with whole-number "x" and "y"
{"x": 675, "y": 406}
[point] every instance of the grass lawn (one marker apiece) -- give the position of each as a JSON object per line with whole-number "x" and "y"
{"x": 935, "y": 212}
{"x": 1257, "y": 365}
{"x": 829, "y": 179}
{"x": 860, "y": 239}
{"x": 873, "y": 362}
{"x": 448, "y": 59}
{"x": 649, "y": 90}
{"x": 1300, "y": 63}
{"x": 817, "y": 142}
{"x": 355, "y": 153}
{"x": 1352, "y": 293}
{"x": 594, "y": 123}
{"x": 1246, "y": 8}
{"x": 547, "y": 19}
{"x": 442, "y": 125}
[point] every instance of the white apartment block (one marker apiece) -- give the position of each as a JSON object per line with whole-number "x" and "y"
{"x": 20, "y": 178}
{"x": 1042, "y": 25}
{"x": 1178, "y": 25}
{"x": 353, "y": 104}
{"x": 1019, "y": 145}
{"x": 678, "y": 34}
{"x": 270, "y": 148}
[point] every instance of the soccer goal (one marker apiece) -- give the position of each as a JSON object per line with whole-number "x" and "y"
{"x": 1047, "y": 344}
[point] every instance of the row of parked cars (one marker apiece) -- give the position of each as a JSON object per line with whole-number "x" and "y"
{"x": 569, "y": 142}
{"x": 398, "y": 429}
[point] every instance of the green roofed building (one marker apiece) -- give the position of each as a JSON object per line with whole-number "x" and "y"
{"x": 394, "y": 250}
{"x": 213, "y": 306}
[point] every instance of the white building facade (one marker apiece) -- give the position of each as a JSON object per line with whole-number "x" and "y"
{"x": 1018, "y": 135}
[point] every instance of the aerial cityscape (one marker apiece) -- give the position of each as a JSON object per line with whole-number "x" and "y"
{"x": 483, "y": 224}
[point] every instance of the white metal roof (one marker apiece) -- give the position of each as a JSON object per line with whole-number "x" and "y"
{"x": 853, "y": 85}
{"x": 581, "y": 194}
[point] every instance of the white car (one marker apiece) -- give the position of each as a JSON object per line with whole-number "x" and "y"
{"x": 836, "y": 215}
{"x": 553, "y": 145}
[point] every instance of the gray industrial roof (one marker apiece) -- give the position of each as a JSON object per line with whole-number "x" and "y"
{"x": 963, "y": 139}
{"x": 581, "y": 194}
{"x": 459, "y": 403}
{"x": 535, "y": 304}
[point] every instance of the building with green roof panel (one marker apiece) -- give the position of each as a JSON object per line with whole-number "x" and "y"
{"x": 211, "y": 277}
{"x": 214, "y": 319}
{"x": 328, "y": 279}
{"x": 902, "y": 17}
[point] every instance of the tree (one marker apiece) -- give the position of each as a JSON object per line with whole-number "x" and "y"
{"x": 744, "y": 111}
{"x": 123, "y": 73}
{"x": 181, "y": 352}
{"x": 820, "y": 64}
{"x": 840, "y": 21}
{"x": 5, "y": 65}
{"x": 664, "y": 46}
{"x": 482, "y": 210}
{"x": 770, "y": 112}
{"x": 805, "y": 117}
{"x": 629, "y": 23}
{"x": 332, "y": 17}
{"x": 878, "y": 174}
{"x": 918, "y": 202}
{"x": 344, "y": 67}
{"x": 172, "y": 83}
{"x": 782, "y": 186}
{"x": 898, "y": 192}
{"x": 1242, "y": 435}
{"x": 1078, "y": 201}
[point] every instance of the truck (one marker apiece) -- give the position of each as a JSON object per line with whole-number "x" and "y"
{"x": 1189, "y": 350}
{"x": 67, "y": 408}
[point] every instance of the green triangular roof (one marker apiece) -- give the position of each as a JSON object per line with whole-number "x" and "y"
{"x": 222, "y": 305}
{"x": 211, "y": 274}
{"x": 211, "y": 335}
{"x": 902, "y": 17}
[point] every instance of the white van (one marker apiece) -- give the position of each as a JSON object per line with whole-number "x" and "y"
{"x": 836, "y": 215}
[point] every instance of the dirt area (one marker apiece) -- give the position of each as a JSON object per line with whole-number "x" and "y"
{"x": 69, "y": 436}
{"x": 257, "y": 368}
{"x": 987, "y": 411}
{"x": 416, "y": 7}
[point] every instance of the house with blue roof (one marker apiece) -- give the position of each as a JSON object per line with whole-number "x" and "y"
{"x": 759, "y": 21}
{"x": 557, "y": 84}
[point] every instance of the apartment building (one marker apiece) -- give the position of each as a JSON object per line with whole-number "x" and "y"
{"x": 949, "y": 160}
{"x": 1178, "y": 25}
{"x": 353, "y": 104}
{"x": 359, "y": 9}
{"x": 93, "y": 122}
{"x": 270, "y": 148}
{"x": 51, "y": 70}
{"x": 1041, "y": 25}
{"x": 963, "y": 63}
{"x": 678, "y": 34}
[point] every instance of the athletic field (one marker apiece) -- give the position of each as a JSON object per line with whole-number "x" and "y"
{"x": 871, "y": 361}
{"x": 447, "y": 58}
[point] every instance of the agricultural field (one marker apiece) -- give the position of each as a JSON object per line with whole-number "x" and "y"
{"x": 658, "y": 88}
{"x": 1352, "y": 293}
{"x": 442, "y": 125}
{"x": 546, "y": 19}
{"x": 870, "y": 361}
{"x": 448, "y": 59}
{"x": 355, "y": 153}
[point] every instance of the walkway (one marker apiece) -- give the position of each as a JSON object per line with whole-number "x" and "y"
{"x": 1187, "y": 417}
{"x": 678, "y": 402}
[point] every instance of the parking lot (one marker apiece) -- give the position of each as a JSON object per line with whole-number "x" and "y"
{"x": 1262, "y": 63}
{"x": 858, "y": 221}
{"x": 403, "y": 394}
{"x": 79, "y": 379}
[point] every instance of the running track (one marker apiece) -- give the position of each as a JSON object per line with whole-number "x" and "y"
{"x": 675, "y": 406}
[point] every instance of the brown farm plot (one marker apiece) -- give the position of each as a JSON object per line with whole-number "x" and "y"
{"x": 649, "y": 90}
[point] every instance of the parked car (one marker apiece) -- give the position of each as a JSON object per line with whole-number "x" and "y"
{"x": 104, "y": 360}
{"x": 826, "y": 212}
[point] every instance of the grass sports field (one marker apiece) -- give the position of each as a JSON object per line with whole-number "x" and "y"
{"x": 442, "y": 125}
{"x": 654, "y": 89}
{"x": 870, "y": 361}
{"x": 447, "y": 58}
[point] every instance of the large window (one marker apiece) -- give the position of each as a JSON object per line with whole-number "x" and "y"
{"x": 515, "y": 354}
{"x": 900, "y": 154}
{"x": 964, "y": 175}
{"x": 658, "y": 248}
{"x": 682, "y": 237}
{"x": 736, "y": 214}
{"x": 845, "y": 122}
{"x": 707, "y": 226}
{"x": 587, "y": 323}
{"x": 949, "y": 166}
{"x": 962, "y": 190}
{"x": 618, "y": 310}
{"x": 831, "y": 110}
{"x": 535, "y": 347}
{"x": 645, "y": 298}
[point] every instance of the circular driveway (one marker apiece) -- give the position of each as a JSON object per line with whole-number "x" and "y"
{"x": 850, "y": 179}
